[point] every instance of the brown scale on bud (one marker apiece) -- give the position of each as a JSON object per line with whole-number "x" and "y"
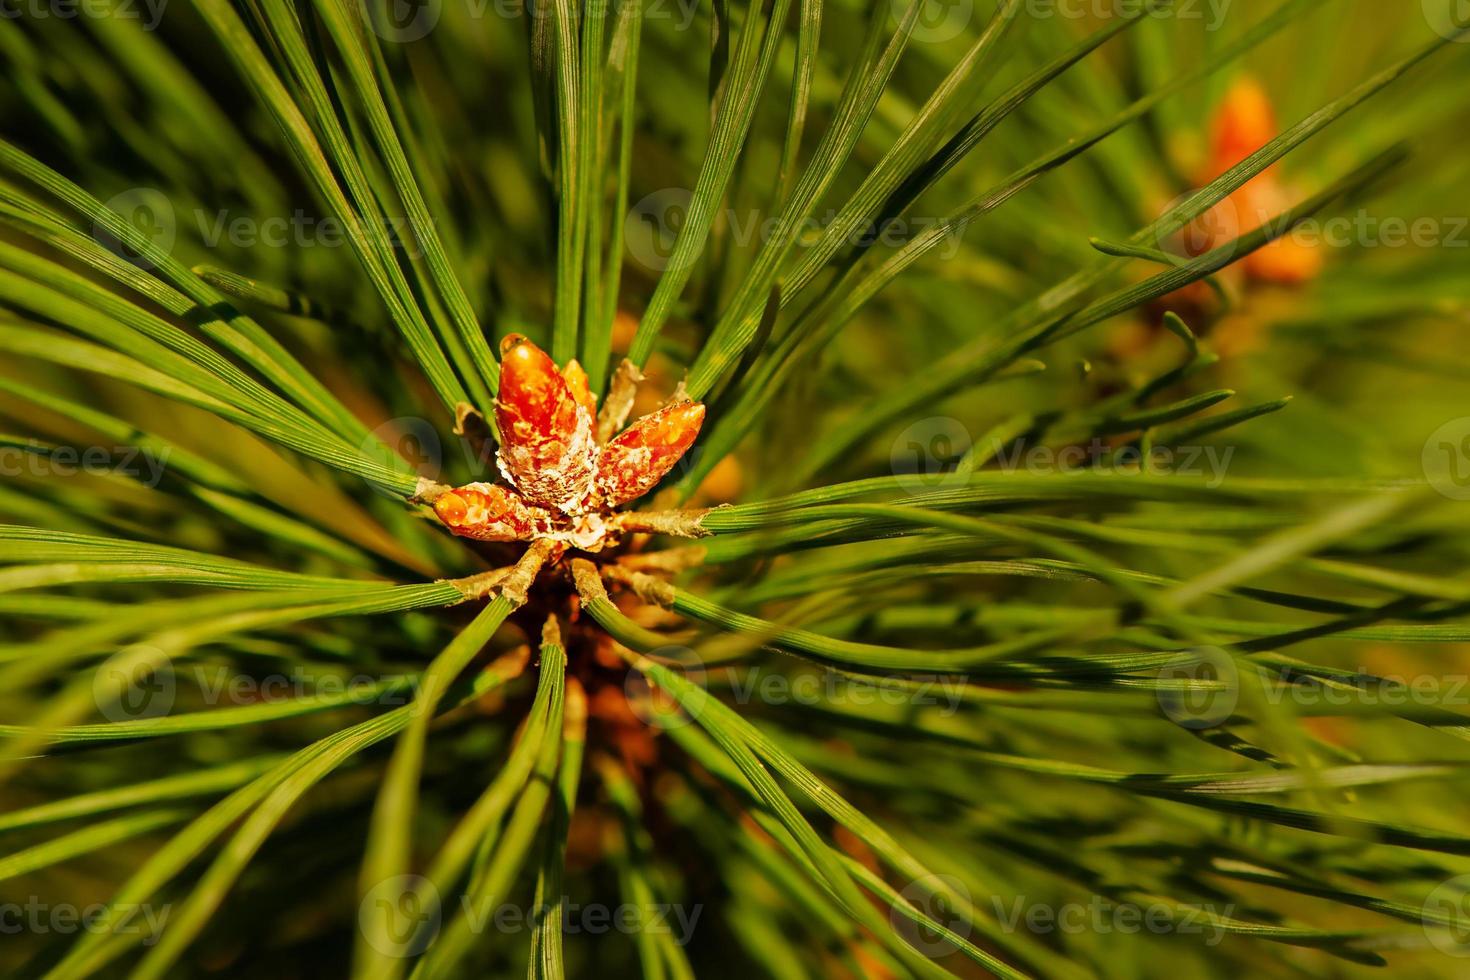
{"x": 634, "y": 462}
{"x": 547, "y": 450}
{"x": 485, "y": 512}
{"x": 562, "y": 485}
{"x": 580, "y": 387}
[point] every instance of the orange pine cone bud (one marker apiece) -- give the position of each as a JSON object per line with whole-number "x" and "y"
{"x": 1244, "y": 122}
{"x": 576, "y": 380}
{"x": 625, "y": 328}
{"x": 722, "y": 485}
{"x": 547, "y": 450}
{"x": 634, "y": 462}
{"x": 484, "y": 512}
{"x": 1286, "y": 261}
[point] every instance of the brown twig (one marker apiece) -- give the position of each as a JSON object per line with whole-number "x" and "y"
{"x": 511, "y": 664}
{"x": 678, "y": 523}
{"x": 517, "y": 584}
{"x": 471, "y": 425}
{"x": 654, "y": 591}
{"x": 551, "y": 632}
{"x": 666, "y": 562}
{"x": 587, "y": 580}
{"x": 481, "y": 584}
{"x": 426, "y": 491}
{"x": 619, "y": 403}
